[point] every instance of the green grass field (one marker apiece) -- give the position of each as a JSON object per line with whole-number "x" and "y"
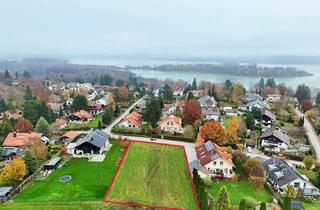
{"x": 239, "y": 190}
{"x": 154, "y": 175}
{"x": 89, "y": 181}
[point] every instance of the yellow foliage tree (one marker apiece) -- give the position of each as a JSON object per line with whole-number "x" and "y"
{"x": 232, "y": 130}
{"x": 38, "y": 149}
{"x": 110, "y": 97}
{"x": 237, "y": 93}
{"x": 13, "y": 172}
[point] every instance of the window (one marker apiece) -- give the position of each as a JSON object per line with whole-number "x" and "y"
{"x": 296, "y": 185}
{"x": 221, "y": 163}
{"x": 214, "y": 163}
{"x": 230, "y": 171}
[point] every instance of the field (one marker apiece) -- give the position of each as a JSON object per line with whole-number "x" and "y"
{"x": 153, "y": 175}
{"x": 239, "y": 190}
{"x": 89, "y": 181}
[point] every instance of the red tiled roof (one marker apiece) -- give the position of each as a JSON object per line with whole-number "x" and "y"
{"x": 134, "y": 118}
{"x": 54, "y": 106}
{"x": 20, "y": 139}
{"x": 96, "y": 106}
{"x": 60, "y": 122}
{"x": 82, "y": 114}
{"x": 173, "y": 118}
{"x": 70, "y": 135}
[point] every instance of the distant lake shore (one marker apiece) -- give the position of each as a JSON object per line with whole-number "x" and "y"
{"x": 312, "y": 81}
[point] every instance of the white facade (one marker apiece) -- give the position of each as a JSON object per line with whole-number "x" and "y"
{"x": 220, "y": 165}
{"x": 275, "y": 146}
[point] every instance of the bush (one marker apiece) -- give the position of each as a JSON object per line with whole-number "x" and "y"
{"x": 250, "y": 202}
{"x": 207, "y": 182}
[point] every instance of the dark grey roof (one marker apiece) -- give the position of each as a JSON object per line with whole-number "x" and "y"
{"x": 209, "y": 146}
{"x": 206, "y": 99}
{"x": 4, "y": 191}
{"x": 97, "y": 138}
{"x": 276, "y": 132}
{"x": 53, "y": 161}
{"x": 261, "y": 103}
{"x": 269, "y": 114}
{"x": 210, "y": 111}
{"x": 194, "y": 165}
{"x": 296, "y": 205}
{"x": 11, "y": 151}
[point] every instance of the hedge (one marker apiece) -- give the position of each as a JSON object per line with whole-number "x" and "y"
{"x": 288, "y": 155}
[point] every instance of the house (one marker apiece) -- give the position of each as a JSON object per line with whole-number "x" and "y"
{"x": 214, "y": 160}
{"x": 60, "y": 123}
{"x": 178, "y": 93}
{"x": 171, "y": 124}
{"x": 195, "y": 93}
{"x": 104, "y": 101}
{"x": 169, "y": 108}
{"x": 257, "y": 104}
{"x": 52, "y": 164}
{"x": 69, "y": 136}
{"x": 55, "y": 107}
{"x": 273, "y": 97}
{"x": 96, "y": 108}
{"x": 280, "y": 175}
{"x": 210, "y": 114}
{"x": 11, "y": 115}
{"x": 20, "y": 140}
{"x": 132, "y": 120}
{"x": 95, "y": 142}
{"x": 229, "y": 111}
{"x": 80, "y": 117}
{"x": 9, "y": 153}
{"x": 275, "y": 139}
{"x": 5, "y": 191}
{"x": 207, "y": 102}
{"x": 251, "y": 97}
{"x": 141, "y": 105}
{"x": 157, "y": 91}
{"x": 268, "y": 118}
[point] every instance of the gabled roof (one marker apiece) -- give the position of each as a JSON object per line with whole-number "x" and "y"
{"x": 276, "y": 132}
{"x": 176, "y": 120}
{"x": 70, "y": 135}
{"x": 269, "y": 114}
{"x": 210, "y": 111}
{"x": 20, "y": 139}
{"x": 60, "y": 122}
{"x": 206, "y": 100}
{"x": 96, "y": 138}
{"x": 55, "y": 106}
{"x": 82, "y": 114}
{"x": 11, "y": 151}
{"x": 258, "y": 102}
{"x": 210, "y": 151}
{"x": 96, "y": 106}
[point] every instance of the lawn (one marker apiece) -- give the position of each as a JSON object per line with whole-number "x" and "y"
{"x": 239, "y": 190}
{"x": 89, "y": 181}
{"x": 154, "y": 175}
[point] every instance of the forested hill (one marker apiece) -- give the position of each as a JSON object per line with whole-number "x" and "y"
{"x": 231, "y": 69}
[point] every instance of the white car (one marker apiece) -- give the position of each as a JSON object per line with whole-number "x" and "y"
{"x": 249, "y": 149}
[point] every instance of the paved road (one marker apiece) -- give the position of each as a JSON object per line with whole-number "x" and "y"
{"x": 314, "y": 138}
{"x": 189, "y": 147}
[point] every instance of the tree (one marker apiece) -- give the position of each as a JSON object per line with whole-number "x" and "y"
{"x": 263, "y": 206}
{"x": 249, "y": 120}
{"x": 256, "y": 181}
{"x": 167, "y": 93}
{"x": 286, "y": 203}
{"x": 152, "y": 112}
{"x": 303, "y": 93}
{"x": 227, "y": 88}
{"x": 308, "y": 161}
{"x": 318, "y": 98}
{"x": 105, "y": 80}
{"x": 242, "y": 205}
{"x": 261, "y": 87}
{"x": 124, "y": 93}
{"x": 42, "y": 126}
{"x": 120, "y": 82}
{"x": 187, "y": 89}
{"x": 23, "y": 126}
{"x": 238, "y": 166}
{"x": 306, "y": 105}
{"x": 190, "y": 96}
{"x": 3, "y": 105}
{"x": 194, "y": 84}
{"x": 117, "y": 110}
{"x": 108, "y": 115}
{"x": 237, "y": 93}
{"x": 13, "y": 172}
{"x": 34, "y": 109}
{"x": 80, "y": 103}
{"x": 213, "y": 131}
{"x": 242, "y": 128}
{"x": 7, "y": 74}
{"x": 191, "y": 111}
{"x": 271, "y": 83}
{"x": 5, "y": 127}
{"x": 232, "y": 130}
{"x": 28, "y": 94}
{"x": 37, "y": 148}
{"x": 31, "y": 162}
{"x": 99, "y": 124}
{"x": 26, "y": 75}
{"x": 253, "y": 167}
{"x": 257, "y": 114}
{"x": 223, "y": 200}
{"x": 290, "y": 191}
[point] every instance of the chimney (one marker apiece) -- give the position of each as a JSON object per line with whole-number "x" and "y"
{"x": 14, "y": 134}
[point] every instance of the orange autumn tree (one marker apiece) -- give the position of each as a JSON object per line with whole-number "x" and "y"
{"x": 124, "y": 93}
{"x": 213, "y": 131}
{"x": 23, "y": 126}
{"x": 232, "y": 130}
{"x": 13, "y": 172}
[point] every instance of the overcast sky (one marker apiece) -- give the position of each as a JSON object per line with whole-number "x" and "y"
{"x": 163, "y": 27}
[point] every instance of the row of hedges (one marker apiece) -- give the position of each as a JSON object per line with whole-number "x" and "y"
{"x": 287, "y": 155}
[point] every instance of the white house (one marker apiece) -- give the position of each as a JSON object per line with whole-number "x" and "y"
{"x": 210, "y": 114}
{"x": 275, "y": 139}
{"x": 257, "y": 104}
{"x": 207, "y": 102}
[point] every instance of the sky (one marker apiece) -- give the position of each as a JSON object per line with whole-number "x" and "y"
{"x": 163, "y": 27}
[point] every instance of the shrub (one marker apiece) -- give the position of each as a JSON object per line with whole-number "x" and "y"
{"x": 207, "y": 182}
{"x": 250, "y": 202}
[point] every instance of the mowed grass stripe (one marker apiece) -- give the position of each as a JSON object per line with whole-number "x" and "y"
{"x": 154, "y": 175}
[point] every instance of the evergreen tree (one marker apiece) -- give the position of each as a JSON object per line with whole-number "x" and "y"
{"x": 117, "y": 110}
{"x": 286, "y": 203}
{"x": 105, "y": 80}
{"x": 34, "y": 109}
{"x": 152, "y": 112}
{"x": 120, "y": 82}
{"x": 31, "y": 162}
{"x": 223, "y": 200}
{"x": 42, "y": 126}
{"x": 303, "y": 93}
{"x": 318, "y": 98}
{"x": 190, "y": 96}
{"x": 99, "y": 124}
{"x": 194, "y": 84}
{"x": 167, "y": 93}
{"x": 238, "y": 165}
{"x": 249, "y": 120}
{"x": 7, "y": 74}
{"x": 3, "y": 105}
{"x": 242, "y": 205}
{"x": 263, "y": 206}
{"x": 187, "y": 89}
{"x": 61, "y": 114}
{"x": 16, "y": 75}
{"x": 5, "y": 127}
{"x": 80, "y": 103}
{"x": 26, "y": 75}
{"x": 108, "y": 115}
{"x": 271, "y": 83}
{"x": 28, "y": 94}
{"x": 261, "y": 87}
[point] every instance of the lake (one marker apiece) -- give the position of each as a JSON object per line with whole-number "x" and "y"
{"x": 312, "y": 81}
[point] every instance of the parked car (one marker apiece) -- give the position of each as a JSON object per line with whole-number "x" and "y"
{"x": 153, "y": 139}
{"x": 249, "y": 149}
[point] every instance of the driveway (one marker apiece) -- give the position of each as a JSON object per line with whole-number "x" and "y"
{"x": 313, "y": 137}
